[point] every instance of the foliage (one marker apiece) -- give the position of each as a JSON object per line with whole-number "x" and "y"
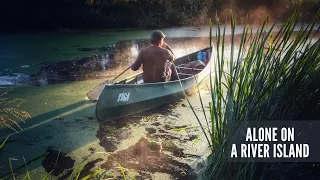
{"x": 64, "y": 14}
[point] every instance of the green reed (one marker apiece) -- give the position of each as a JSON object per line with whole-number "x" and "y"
{"x": 268, "y": 76}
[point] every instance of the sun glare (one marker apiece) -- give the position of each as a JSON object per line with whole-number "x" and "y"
{"x": 134, "y": 51}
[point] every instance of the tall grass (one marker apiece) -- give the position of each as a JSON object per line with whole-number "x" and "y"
{"x": 10, "y": 113}
{"x": 268, "y": 76}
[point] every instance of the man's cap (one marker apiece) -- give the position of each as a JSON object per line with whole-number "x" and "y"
{"x": 157, "y": 35}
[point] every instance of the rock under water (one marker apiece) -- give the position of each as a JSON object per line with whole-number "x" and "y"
{"x": 148, "y": 156}
{"x": 57, "y": 161}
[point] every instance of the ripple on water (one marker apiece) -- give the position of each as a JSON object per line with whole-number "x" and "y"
{"x": 14, "y": 79}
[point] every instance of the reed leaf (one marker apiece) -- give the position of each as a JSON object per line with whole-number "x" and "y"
{"x": 268, "y": 76}
{"x": 4, "y": 142}
{"x": 122, "y": 171}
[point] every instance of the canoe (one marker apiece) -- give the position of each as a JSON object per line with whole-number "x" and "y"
{"x": 131, "y": 95}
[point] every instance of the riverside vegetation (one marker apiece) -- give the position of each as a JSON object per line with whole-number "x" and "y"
{"x": 269, "y": 76}
{"x": 66, "y": 15}
{"x": 10, "y": 112}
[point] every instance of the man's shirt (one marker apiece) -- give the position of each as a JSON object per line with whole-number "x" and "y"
{"x": 153, "y": 59}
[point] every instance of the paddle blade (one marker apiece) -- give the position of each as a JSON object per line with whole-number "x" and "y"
{"x": 94, "y": 94}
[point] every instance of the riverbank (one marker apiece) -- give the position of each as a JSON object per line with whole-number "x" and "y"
{"x": 64, "y": 16}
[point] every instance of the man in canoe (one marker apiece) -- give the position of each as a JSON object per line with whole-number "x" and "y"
{"x": 156, "y": 60}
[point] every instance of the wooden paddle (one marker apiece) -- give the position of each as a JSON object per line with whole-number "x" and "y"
{"x": 120, "y": 74}
{"x": 94, "y": 94}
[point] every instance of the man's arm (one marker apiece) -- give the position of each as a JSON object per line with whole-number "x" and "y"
{"x": 170, "y": 56}
{"x": 174, "y": 75}
{"x": 166, "y": 46}
{"x": 136, "y": 65}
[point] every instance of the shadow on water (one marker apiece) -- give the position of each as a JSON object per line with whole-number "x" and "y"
{"x": 67, "y": 133}
{"x": 42, "y": 118}
{"x": 79, "y": 130}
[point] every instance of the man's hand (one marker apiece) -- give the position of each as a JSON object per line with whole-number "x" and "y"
{"x": 166, "y": 46}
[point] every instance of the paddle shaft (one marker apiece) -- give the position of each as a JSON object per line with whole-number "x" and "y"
{"x": 170, "y": 50}
{"x": 121, "y": 74}
{"x": 210, "y": 24}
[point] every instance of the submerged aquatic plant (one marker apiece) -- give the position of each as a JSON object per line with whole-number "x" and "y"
{"x": 268, "y": 76}
{"x": 10, "y": 113}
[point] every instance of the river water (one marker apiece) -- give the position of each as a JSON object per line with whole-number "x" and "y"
{"x": 23, "y": 55}
{"x": 47, "y": 75}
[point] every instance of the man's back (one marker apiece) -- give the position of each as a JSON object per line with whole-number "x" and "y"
{"x": 153, "y": 59}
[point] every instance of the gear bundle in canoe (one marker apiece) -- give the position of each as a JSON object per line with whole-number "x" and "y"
{"x": 131, "y": 95}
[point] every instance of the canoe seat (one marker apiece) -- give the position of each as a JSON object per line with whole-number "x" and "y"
{"x": 184, "y": 74}
{"x": 195, "y": 69}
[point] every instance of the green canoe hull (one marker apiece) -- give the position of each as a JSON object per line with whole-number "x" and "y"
{"x": 118, "y": 100}
{"x": 125, "y": 110}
